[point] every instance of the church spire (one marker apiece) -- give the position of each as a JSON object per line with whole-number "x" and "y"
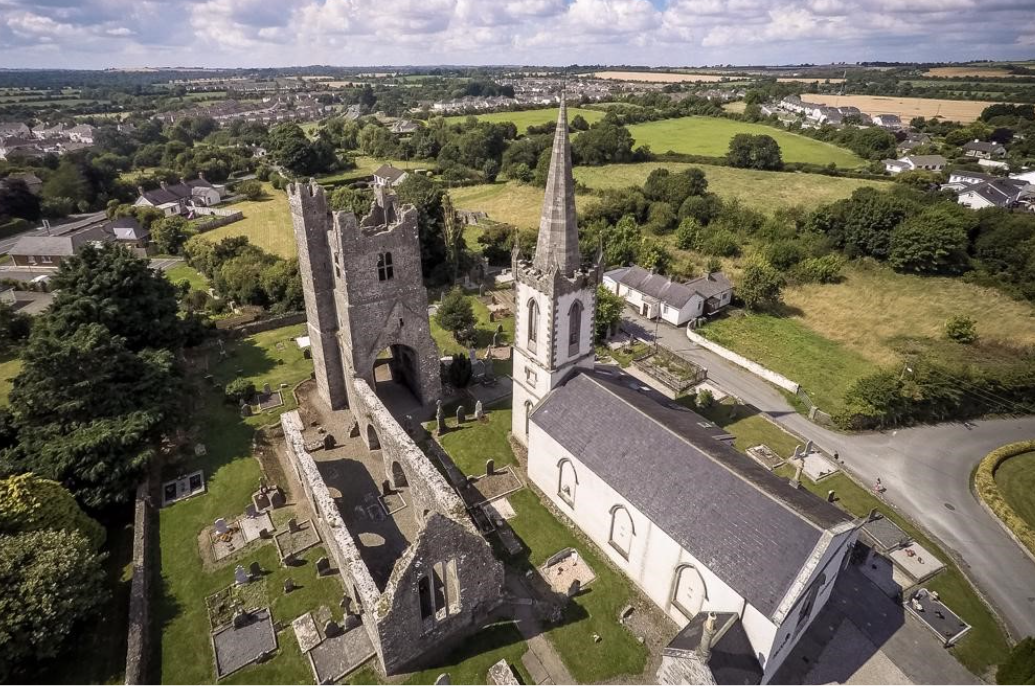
{"x": 558, "y": 243}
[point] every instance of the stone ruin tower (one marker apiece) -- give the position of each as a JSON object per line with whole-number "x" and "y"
{"x": 364, "y": 294}
{"x": 555, "y": 294}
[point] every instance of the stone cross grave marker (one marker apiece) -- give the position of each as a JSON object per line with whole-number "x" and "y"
{"x": 240, "y": 575}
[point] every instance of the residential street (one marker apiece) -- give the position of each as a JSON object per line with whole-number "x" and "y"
{"x": 926, "y": 471}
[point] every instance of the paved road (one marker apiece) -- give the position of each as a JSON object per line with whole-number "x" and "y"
{"x": 926, "y": 471}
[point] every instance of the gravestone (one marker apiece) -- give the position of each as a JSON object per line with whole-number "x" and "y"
{"x": 495, "y": 340}
{"x": 329, "y": 442}
{"x": 288, "y": 560}
{"x": 293, "y": 525}
{"x": 479, "y": 410}
{"x": 221, "y": 527}
{"x": 809, "y": 448}
{"x": 461, "y": 416}
{"x": 346, "y": 604}
{"x": 241, "y": 617}
{"x": 255, "y": 570}
{"x": 331, "y": 629}
{"x": 250, "y": 512}
{"x": 265, "y": 534}
{"x": 266, "y": 390}
{"x": 240, "y": 576}
{"x": 440, "y": 418}
{"x": 323, "y": 566}
{"x": 490, "y": 467}
{"x": 289, "y": 585}
{"x": 386, "y": 487}
{"x": 443, "y": 679}
{"x": 472, "y": 354}
{"x": 200, "y": 449}
{"x": 246, "y": 410}
{"x": 574, "y": 589}
{"x": 277, "y": 498}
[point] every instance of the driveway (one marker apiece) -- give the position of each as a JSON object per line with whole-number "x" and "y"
{"x": 926, "y": 471}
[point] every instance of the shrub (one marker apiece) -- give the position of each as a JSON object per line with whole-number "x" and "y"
{"x": 988, "y": 490}
{"x": 455, "y": 313}
{"x": 239, "y": 389}
{"x": 961, "y": 328}
{"x": 721, "y": 243}
{"x": 826, "y": 269}
{"x": 251, "y": 189}
{"x": 705, "y": 398}
{"x": 688, "y": 234}
{"x": 760, "y": 286}
{"x": 784, "y": 254}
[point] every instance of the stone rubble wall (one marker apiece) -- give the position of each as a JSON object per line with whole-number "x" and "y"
{"x": 139, "y": 615}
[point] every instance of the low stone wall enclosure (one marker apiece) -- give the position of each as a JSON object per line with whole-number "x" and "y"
{"x": 741, "y": 361}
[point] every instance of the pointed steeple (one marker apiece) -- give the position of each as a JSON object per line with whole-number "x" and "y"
{"x": 558, "y": 243}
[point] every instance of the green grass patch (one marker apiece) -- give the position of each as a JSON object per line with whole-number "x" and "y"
{"x": 183, "y": 272}
{"x": 266, "y": 223}
{"x": 475, "y": 442}
{"x": 626, "y": 354}
{"x": 470, "y": 663}
{"x": 1015, "y": 478}
{"x": 749, "y": 427}
{"x": 448, "y": 345}
{"x": 525, "y": 118}
{"x": 9, "y": 369}
{"x": 711, "y": 136}
{"x": 822, "y": 367}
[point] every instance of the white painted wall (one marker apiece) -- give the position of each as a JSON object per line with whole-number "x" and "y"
{"x": 973, "y": 200}
{"x": 753, "y": 367}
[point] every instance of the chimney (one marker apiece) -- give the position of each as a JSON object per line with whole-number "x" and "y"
{"x": 140, "y": 190}
{"x": 183, "y": 181}
{"x": 707, "y": 636}
{"x": 164, "y": 185}
{"x": 201, "y": 175}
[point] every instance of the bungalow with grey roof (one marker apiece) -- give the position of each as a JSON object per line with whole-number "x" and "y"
{"x": 997, "y": 192}
{"x": 180, "y": 198}
{"x": 915, "y": 162}
{"x": 48, "y": 251}
{"x": 654, "y": 295}
{"x": 985, "y": 150}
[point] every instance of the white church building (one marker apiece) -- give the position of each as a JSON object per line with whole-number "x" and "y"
{"x": 700, "y": 527}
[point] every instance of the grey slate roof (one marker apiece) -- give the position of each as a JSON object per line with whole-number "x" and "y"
{"x": 128, "y": 229}
{"x": 885, "y": 534}
{"x": 59, "y": 246}
{"x": 672, "y": 293}
{"x": 983, "y": 146}
{"x": 743, "y": 522}
{"x": 387, "y": 171}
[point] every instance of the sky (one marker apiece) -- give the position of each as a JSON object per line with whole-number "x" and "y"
{"x": 275, "y": 33}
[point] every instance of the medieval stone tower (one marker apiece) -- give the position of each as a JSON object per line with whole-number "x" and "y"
{"x": 364, "y": 294}
{"x": 555, "y": 294}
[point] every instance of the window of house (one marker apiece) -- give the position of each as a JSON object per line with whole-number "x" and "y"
{"x": 385, "y": 269}
{"x": 533, "y": 324}
{"x": 622, "y": 530}
{"x": 567, "y": 481}
{"x": 574, "y": 327}
{"x": 46, "y": 259}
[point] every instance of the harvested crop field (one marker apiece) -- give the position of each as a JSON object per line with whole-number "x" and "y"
{"x": 980, "y": 72}
{"x": 663, "y": 77}
{"x": 955, "y": 110}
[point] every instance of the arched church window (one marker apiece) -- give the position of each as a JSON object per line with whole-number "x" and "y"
{"x": 689, "y": 591}
{"x": 385, "y": 269}
{"x": 567, "y": 481}
{"x": 622, "y": 530}
{"x": 533, "y": 324}
{"x": 574, "y": 327}
{"x": 528, "y": 414}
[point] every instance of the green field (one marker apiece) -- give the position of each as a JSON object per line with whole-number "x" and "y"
{"x": 711, "y": 136}
{"x": 823, "y": 367}
{"x": 266, "y": 223}
{"x": 764, "y": 191}
{"x": 1015, "y": 478}
{"x": 525, "y": 118}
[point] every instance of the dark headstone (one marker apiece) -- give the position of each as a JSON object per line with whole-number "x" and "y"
{"x": 323, "y": 566}
{"x": 329, "y": 442}
{"x": 461, "y": 415}
{"x": 240, "y": 576}
{"x": 289, "y": 585}
{"x": 307, "y": 354}
{"x": 277, "y": 498}
{"x": 574, "y": 589}
{"x": 241, "y": 618}
{"x": 490, "y": 467}
{"x": 386, "y": 487}
{"x": 831, "y": 496}
{"x": 293, "y": 525}
{"x": 331, "y": 629}
{"x": 255, "y": 570}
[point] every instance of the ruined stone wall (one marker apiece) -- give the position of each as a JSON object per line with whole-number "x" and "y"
{"x": 138, "y": 643}
{"x": 312, "y": 221}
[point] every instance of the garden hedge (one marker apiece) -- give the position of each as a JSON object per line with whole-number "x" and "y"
{"x": 984, "y": 482}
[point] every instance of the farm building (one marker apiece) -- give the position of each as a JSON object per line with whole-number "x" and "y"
{"x": 654, "y": 295}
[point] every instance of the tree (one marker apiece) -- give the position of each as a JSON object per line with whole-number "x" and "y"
{"x": 621, "y": 242}
{"x": 760, "y": 286}
{"x": 603, "y": 143}
{"x": 1019, "y": 666}
{"x": 30, "y": 503}
{"x": 426, "y": 196}
{"x": 16, "y": 200}
{"x": 14, "y": 328}
{"x": 688, "y": 234}
{"x": 377, "y": 141}
{"x": 239, "y": 389}
{"x": 608, "y": 313}
{"x": 347, "y": 199}
{"x": 49, "y": 581}
{"x": 251, "y": 189}
{"x": 933, "y": 242}
{"x": 579, "y": 123}
{"x": 170, "y": 234}
{"x": 961, "y": 328}
{"x": 112, "y": 287}
{"x": 754, "y": 152}
{"x": 455, "y": 313}
{"x": 453, "y": 234}
{"x": 654, "y": 256}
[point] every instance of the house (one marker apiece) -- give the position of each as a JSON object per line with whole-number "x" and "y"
{"x": 404, "y": 126}
{"x": 82, "y": 133}
{"x": 129, "y": 232}
{"x": 912, "y": 140}
{"x": 654, "y": 295}
{"x": 181, "y": 197}
{"x": 960, "y": 180}
{"x": 887, "y": 121}
{"x": 694, "y": 523}
{"x": 915, "y": 162}
{"x": 1027, "y": 177}
{"x": 14, "y": 129}
{"x": 19, "y": 148}
{"x": 985, "y": 150}
{"x": 47, "y": 251}
{"x": 387, "y": 176}
{"x": 997, "y": 192}
{"x": 33, "y": 182}
{"x": 32, "y": 303}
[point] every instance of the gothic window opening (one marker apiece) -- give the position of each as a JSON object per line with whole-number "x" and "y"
{"x": 567, "y": 481}
{"x": 452, "y": 587}
{"x": 427, "y": 607}
{"x": 574, "y": 327}
{"x": 439, "y": 588}
{"x": 528, "y": 414}
{"x": 689, "y": 591}
{"x": 533, "y": 324}
{"x": 622, "y": 530}
{"x": 385, "y": 268}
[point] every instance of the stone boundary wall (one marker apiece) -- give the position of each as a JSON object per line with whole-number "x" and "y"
{"x": 218, "y": 220}
{"x": 739, "y": 360}
{"x": 993, "y": 501}
{"x": 253, "y": 327}
{"x": 216, "y": 211}
{"x": 138, "y": 643}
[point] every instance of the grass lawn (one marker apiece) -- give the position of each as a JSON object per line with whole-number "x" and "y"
{"x": 182, "y": 652}
{"x": 711, "y": 136}
{"x": 469, "y": 664}
{"x": 624, "y": 355}
{"x": 749, "y": 428}
{"x": 448, "y": 345}
{"x": 266, "y": 223}
{"x": 823, "y": 367}
{"x": 183, "y": 272}
{"x": 985, "y": 645}
{"x": 874, "y": 306}
{"x": 525, "y": 118}
{"x": 475, "y": 442}
{"x": 9, "y": 369}
{"x": 764, "y": 191}
{"x": 1016, "y": 479}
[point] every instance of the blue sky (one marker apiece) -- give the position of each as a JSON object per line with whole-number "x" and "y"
{"x": 241, "y": 33}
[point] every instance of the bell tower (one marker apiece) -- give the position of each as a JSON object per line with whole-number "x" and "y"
{"x": 554, "y": 294}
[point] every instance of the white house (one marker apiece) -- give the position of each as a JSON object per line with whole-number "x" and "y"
{"x": 888, "y": 121}
{"x": 654, "y": 295}
{"x": 179, "y": 198}
{"x": 387, "y": 175}
{"x": 696, "y": 525}
{"x": 997, "y": 192}
{"x": 914, "y": 162}
{"x": 986, "y": 150}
